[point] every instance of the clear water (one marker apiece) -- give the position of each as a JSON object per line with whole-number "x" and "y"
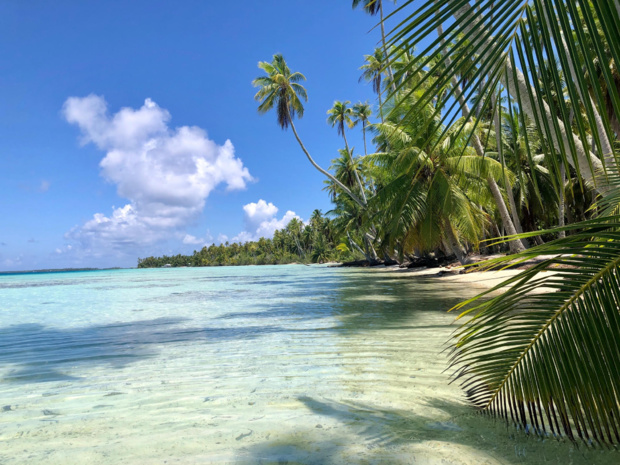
{"x": 288, "y": 364}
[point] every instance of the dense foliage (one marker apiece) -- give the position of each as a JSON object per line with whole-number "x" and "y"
{"x": 315, "y": 242}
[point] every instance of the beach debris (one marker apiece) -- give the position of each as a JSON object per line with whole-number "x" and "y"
{"x": 242, "y": 435}
{"x": 6, "y": 408}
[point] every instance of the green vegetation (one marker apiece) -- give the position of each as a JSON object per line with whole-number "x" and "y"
{"x": 314, "y": 242}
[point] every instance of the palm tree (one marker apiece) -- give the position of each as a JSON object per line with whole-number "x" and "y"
{"x": 372, "y": 7}
{"x": 281, "y": 89}
{"x": 546, "y": 361}
{"x": 435, "y": 193}
{"x": 361, "y": 114}
{"x": 340, "y": 116}
{"x": 373, "y": 72}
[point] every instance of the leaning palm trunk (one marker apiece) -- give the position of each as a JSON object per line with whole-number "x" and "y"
{"x": 562, "y": 201}
{"x": 515, "y": 245}
{"x": 453, "y": 242}
{"x": 588, "y": 164}
{"x": 357, "y": 176}
{"x": 385, "y": 50}
{"x": 326, "y": 173}
{"x": 358, "y": 248}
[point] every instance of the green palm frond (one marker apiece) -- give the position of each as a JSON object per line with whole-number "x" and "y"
{"x": 544, "y": 354}
{"x": 491, "y": 43}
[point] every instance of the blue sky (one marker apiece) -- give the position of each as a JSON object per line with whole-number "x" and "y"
{"x": 68, "y": 152}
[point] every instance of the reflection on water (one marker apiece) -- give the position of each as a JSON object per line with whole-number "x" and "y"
{"x": 272, "y": 365}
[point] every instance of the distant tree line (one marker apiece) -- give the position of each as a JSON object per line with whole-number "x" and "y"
{"x": 315, "y": 242}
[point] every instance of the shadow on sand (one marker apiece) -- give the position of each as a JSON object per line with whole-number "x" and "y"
{"x": 380, "y": 435}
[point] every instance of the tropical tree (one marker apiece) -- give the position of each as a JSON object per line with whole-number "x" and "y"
{"x": 361, "y": 114}
{"x": 547, "y": 361}
{"x": 374, "y": 7}
{"x": 435, "y": 192}
{"x": 339, "y": 115}
{"x": 281, "y": 89}
{"x": 372, "y": 71}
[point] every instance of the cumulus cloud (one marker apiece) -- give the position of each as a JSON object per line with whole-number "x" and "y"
{"x": 166, "y": 174}
{"x": 261, "y": 221}
{"x": 193, "y": 240}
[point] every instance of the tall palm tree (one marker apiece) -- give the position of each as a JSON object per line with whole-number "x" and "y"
{"x": 374, "y": 7}
{"x": 339, "y": 115}
{"x": 372, "y": 71}
{"x": 281, "y": 89}
{"x": 361, "y": 114}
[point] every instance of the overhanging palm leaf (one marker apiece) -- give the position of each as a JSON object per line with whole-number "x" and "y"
{"x": 491, "y": 42}
{"x": 547, "y": 359}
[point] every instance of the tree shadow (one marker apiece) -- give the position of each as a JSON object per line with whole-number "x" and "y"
{"x": 360, "y": 301}
{"x": 391, "y": 436}
{"x": 33, "y": 353}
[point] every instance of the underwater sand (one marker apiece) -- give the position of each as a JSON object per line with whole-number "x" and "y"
{"x": 243, "y": 365}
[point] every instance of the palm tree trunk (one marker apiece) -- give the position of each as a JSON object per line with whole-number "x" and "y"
{"x": 594, "y": 176}
{"x": 385, "y": 51}
{"x": 364, "y": 136}
{"x": 561, "y": 207}
{"x": 326, "y": 173}
{"x": 358, "y": 248}
{"x": 346, "y": 143}
{"x": 515, "y": 245}
{"x": 371, "y": 250}
{"x": 357, "y": 176}
{"x": 380, "y": 107}
{"x": 454, "y": 243}
{"x": 507, "y": 187}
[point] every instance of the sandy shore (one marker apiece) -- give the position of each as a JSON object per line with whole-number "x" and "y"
{"x": 478, "y": 279}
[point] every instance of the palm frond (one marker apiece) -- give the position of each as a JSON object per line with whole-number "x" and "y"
{"x": 544, "y": 354}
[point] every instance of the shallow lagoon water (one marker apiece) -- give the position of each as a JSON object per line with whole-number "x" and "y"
{"x": 270, "y": 365}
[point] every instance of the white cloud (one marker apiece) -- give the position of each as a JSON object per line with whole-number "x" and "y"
{"x": 192, "y": 240}
{"x": 44, "y": 186}
{"x": 260, "y": 221}
{"x": 257, "y": 212}
{"x": 166, "y": 174}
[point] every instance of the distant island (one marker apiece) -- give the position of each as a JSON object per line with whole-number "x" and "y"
{"x": 315, "y": 242}
{"x": 58, "y": 270}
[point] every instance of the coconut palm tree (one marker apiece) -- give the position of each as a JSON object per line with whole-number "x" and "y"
{"x": 372, "y": 71}
{"x": 374, "y": 7}
{"x": 361, "y": 114}
{"x": 281, "y": 89}
{"x": 545, "y": 361}
{"x": 339, "y": 115}
{"x": 435, "y": 192}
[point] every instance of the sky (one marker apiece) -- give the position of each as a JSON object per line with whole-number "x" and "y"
{"x": 130, "y": 129}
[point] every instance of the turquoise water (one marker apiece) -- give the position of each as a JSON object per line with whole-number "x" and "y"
{"x": 286, "y": 364}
